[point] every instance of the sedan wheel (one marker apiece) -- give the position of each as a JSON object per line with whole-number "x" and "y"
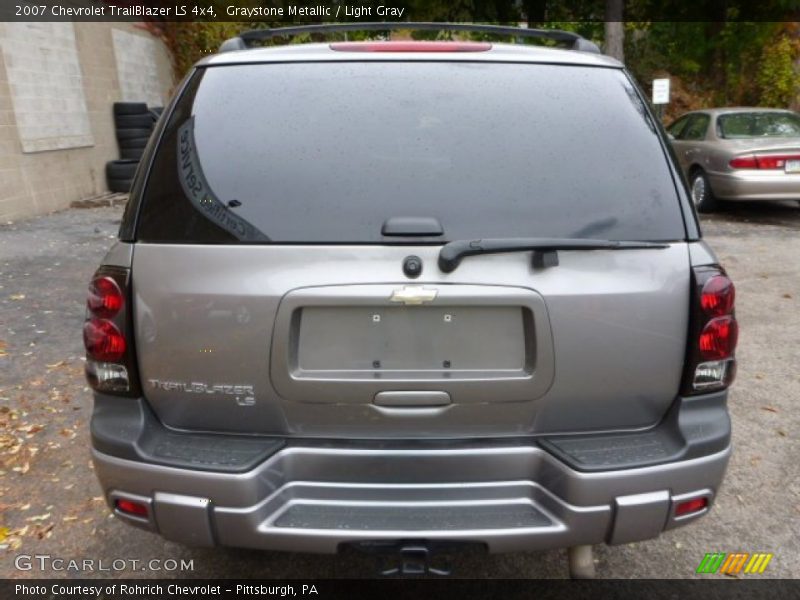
{"x": 702, "y": 196}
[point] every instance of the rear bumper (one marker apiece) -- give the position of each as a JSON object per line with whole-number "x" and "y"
{"x": 754, "y": 185}
{"x": 507, "y": 495}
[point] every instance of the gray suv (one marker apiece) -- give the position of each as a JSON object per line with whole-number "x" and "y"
{"x": 404, "y": 296}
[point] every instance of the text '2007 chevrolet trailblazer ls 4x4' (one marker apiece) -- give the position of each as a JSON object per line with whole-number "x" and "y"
{"x": 406, "y": 295}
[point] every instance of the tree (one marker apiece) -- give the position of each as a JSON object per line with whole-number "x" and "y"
{"x": 614, "y": 28}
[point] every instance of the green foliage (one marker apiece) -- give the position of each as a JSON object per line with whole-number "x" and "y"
{"x": 777, "y": 75}
{"x": 719, "y": 62}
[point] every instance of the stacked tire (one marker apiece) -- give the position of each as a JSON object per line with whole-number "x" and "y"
{"x": 133, "y": 122}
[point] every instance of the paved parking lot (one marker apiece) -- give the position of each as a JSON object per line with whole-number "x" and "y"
{"x": 49, "y": 500}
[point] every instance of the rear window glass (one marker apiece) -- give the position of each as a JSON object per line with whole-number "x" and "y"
{"x": 326, "y": 152}
{"x": 759, "y": 124}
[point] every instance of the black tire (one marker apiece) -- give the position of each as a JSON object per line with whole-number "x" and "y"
{"x": 134, "y": 144}
{"x": 121, "y": 169}
{"x": 122, "y": 186}
{"x": 130, "y": 108}
{"x": 701, "y": 192}
{"x": 134, "y": 153}
{"x": 134, "y": 121}
{"x": 129, "y": 134}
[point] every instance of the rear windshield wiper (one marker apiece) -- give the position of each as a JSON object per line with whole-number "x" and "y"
{"x": 544, "y": 248}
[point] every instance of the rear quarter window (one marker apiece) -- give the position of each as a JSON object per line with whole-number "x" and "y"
{"x": 326, "y": 152}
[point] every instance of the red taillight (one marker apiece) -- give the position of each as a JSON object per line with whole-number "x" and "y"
{"x": 110, "y": 365}
{"x": 717, "y": 296}
{"x": 411, "y": 46}
{"x": 775, "y": 161}
{"x": 744, "y": 162}
{"x": 710, "y": 364}
{"x": 105, "y": 298}
{"x": 718, "y": 339}
{"x": 103, "y": 341}
{"x": 129, "y": 507}
{"x": 691, "y": 506}
{"x": 762, "y": 161}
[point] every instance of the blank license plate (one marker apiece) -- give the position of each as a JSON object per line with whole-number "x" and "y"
{"x": 343, "y": 338}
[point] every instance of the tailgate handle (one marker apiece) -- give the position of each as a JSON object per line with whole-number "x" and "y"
{"x": 411, "y": 399}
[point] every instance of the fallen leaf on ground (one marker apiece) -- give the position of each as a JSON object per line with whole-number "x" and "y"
{"x": 30, "y": 429}
{"x": 43, "y": 517}
{"x": 17, "y": 296}
{"x": 786, "y": 296}
{"x": 45, "y": 532}
{"x": 781, "y": 432}
{"x": 769, "y": 409}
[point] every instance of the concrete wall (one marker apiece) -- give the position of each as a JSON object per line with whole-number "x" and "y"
{"x": 45, "y": 162}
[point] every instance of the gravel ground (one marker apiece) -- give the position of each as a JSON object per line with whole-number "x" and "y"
{"x": 50, "y": 502}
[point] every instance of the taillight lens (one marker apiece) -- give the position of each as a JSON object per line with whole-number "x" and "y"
{"x": 110, "y": 367}
{"x": 718, "y": 338}
{"x": 105, "y": 298}
{"x": 762, "y": 161}
{"x": 717, "y": 296}
{"x": 103, "y": 341}
{"x": 713, "y": 332}
{"x": 744, "y": 162}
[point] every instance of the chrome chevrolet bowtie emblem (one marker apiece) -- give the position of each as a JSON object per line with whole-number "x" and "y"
{"x": 413, "y": 294}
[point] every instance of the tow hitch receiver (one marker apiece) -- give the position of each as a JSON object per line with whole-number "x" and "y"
{"x": 415, "y": 558}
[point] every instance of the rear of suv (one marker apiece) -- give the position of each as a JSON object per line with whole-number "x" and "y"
{"x": 407, "y": 295}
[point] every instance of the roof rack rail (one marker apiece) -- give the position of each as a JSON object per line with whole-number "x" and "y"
{"x": 574, "y": 41}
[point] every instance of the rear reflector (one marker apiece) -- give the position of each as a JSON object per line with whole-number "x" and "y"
{"x": 411, "y": 46}
{"x": 691, "y": 506}
{"x": 129, "y": 507}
